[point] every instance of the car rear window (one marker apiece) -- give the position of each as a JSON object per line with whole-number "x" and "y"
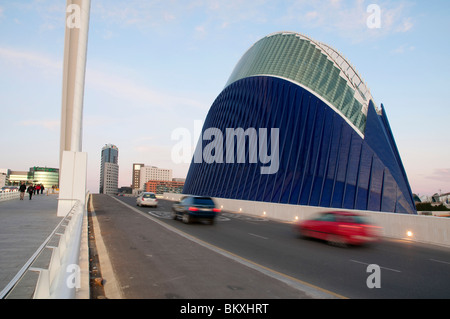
{"x": 360, "y": 220}
{"x": 149, "y": 196}
{"x": 203, "y": 201}
{"x": 353, "y": 219}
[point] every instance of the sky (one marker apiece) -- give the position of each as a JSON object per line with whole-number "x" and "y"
{"x": 157, "y": 66}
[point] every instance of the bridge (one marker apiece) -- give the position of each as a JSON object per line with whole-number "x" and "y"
{"x": 75, "y": 245}
{"x": 141, "y": 253}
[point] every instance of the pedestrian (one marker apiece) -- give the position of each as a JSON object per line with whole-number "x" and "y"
{"x": 42, "y": 189}
{"x": 22, "y": 190}
{"x": 30, "y": 190}
{"x": 38, "y": 189}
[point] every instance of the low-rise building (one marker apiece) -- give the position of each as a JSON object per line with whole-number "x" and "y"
{"x": 160, "y": 187}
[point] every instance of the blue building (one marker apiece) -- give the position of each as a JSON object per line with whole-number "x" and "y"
{"x": 295, "y": 124}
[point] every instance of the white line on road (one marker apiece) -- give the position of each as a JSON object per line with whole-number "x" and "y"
{"x": 258, "y": 236}
{"x": 360, "y": 262}
{"x": 440, "y": 261}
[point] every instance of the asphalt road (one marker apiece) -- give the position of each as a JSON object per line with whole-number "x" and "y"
{"x": 235, "y": 251}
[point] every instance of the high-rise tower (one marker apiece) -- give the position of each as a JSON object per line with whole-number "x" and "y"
{"x": 109, "y": 169}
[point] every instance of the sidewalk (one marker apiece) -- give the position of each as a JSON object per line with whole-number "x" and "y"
{"x": 24, "y": 226}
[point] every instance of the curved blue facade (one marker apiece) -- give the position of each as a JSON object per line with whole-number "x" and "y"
{"x": 322, "y": 162}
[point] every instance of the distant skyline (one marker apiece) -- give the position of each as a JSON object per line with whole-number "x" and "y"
{"x": 157, "y": 66}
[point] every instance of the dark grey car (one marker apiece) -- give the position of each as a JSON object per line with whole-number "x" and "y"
{"x": 195, "y": 208}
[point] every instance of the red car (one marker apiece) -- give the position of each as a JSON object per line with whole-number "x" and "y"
{"x": 339, "y": 228}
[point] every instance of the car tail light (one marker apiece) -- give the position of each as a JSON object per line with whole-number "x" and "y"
{"x": 216, "y": 210}
{"x": 193, "y": 209}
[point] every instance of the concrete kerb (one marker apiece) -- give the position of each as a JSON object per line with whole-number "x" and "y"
{"x": 111, "y": 284}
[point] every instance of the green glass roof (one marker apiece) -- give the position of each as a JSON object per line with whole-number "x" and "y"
{"x": 313, "y": 65}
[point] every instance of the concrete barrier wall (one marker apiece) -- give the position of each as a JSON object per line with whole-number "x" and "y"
{"x": 9, "y": 195}
{"x": 425, "y": 229}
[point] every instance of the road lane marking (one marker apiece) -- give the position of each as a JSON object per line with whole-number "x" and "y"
{"x": 258, "y": 236}
{"x": 440, "y": 261}
{"x": 360, "y": 262}
{"x": 168, "y": 215}
{"x": 248, "y": 218}
{"x": 305, "y": 287}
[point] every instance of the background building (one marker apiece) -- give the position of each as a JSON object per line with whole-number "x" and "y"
{"x": 136, "y": 178}
{"x": 2, "y": 179}
{"x": 4, "y": 176}
{"x": 15, "y": 178}
{"x": 47, "y": 176}
{"x": 153, "y": 173}
{"x": 336, "y": 147}
{"x": 109, "y": 169}
{"x": 160, "y": 187}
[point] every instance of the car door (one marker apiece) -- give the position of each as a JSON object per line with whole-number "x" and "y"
{"x": 325, "y": 225}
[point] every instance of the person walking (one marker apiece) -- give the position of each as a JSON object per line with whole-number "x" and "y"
{"x": 22, "y": 190}
{"x": 42, "y": 188}
{"x": 30, "y": 190}
{"x": 38, "y": 189}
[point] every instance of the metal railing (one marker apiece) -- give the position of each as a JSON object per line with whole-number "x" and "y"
{"x": 62, "y": 278}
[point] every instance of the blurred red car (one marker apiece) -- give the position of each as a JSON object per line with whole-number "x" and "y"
{"x": 339, "y": 228}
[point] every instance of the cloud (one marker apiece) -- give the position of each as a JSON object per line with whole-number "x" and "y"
{"x": 135, "y": 93}
{"x": 403, "y": 49}
{"x": 142, "y": 14}
{"x": 406, "y": 25}
{"x": 103, "y": 81}
{"x": 216, "y": 14}
{"x": 200, "y": 30}
{"x": 349, "y": 19}
{"x": 47, "y": 124}
{"x": 346, "y": 18}
{"x": 441, "y": 174}
{"x": 47, "y": 15}
{"x": 29, "y": 59}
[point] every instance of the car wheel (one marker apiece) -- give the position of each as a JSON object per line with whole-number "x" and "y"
{"x": 174, "y": 216}
{"x": 186, "y": 218}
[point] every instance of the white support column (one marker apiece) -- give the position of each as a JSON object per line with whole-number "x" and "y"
{"x": 72, "y": 181}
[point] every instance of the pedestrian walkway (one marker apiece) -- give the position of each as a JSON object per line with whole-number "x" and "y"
{"x": 24, "y": 226}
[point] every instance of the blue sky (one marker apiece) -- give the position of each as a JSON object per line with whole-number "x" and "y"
{"x": 155, "y": 66}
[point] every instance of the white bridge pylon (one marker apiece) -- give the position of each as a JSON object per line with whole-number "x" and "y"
{"x": 73, "y": 162}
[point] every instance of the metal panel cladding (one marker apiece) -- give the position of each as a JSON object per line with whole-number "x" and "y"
{"x": 323, "y": 159}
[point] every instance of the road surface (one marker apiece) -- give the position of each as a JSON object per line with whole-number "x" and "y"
{"x": 250, "y": 257}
